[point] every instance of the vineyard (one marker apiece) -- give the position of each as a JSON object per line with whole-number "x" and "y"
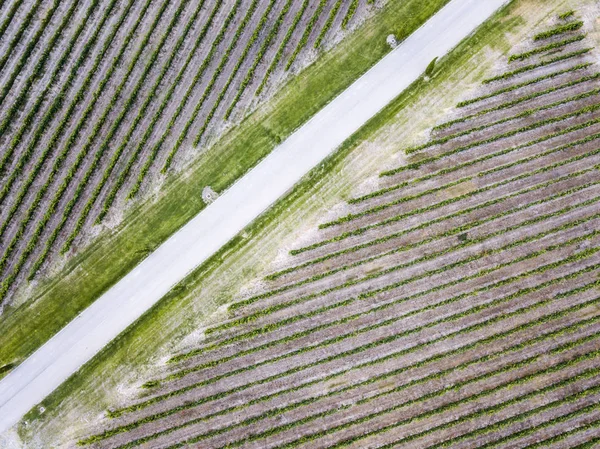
{"x": 455, "y": 305}
{"x": 102, "y": 99}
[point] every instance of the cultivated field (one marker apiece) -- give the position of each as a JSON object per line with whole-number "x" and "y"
{"x": 100, "y": 100}
{"x": 454, "y": 305}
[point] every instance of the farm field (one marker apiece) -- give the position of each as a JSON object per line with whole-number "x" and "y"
{"x": 33, "y": 311}
{"x": 452, "y": 302}
{"x": 102, "y": 100}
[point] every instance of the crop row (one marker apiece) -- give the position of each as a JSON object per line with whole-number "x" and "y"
{"x": 19, "y": 34}
{"x": 518, "y": 100}
{"x": 430, "y": 159}
{"x": 272, "y": 326}
{"x": 157, "y": 116}
{"x": 380, "y": 377}
{"x": 471, "y": 162}
{"x": 427, "y": 208}
{"x": 349, "y": 14}
{"x": 487, "y": 410}
{"x": 514, "y": 366}
{"x": 370, "y": 293}
{"x": 186, "y": 97}
{"x": 562, "y": 29}
{"x": 307, "y": 30}
{"x": 62, "y": 156}
{"x": 521, "y": 417}
{"x": 466, "y": 211}
{"x": 514, "y": 87}
{"x": 426, "y": 224}
{"x": 208, "y": 90}
{"x": 104, "y": 146}
{"x": 460, "y": 229}
{"x": 447, "y": 233}
{"x": 17, "y": 170}
{"x": 402, "y": 404}
{"x": 564, "y": 227}
{"x": 553, "y": 46}
{"x": 483, "y": 158}
{"x": 10, "y": 16}
{"x": 435, "y": 375}
{"x": 253, "y": 299}
{"x": 566, "y": 15}
{"x": 25, "y": 56}
{"x": 528, "y": 68}
{"x": 548, "y": 334}
{"x": 274, "y": 30}
{"x": 39, "y": 67}
{"x": 406, "y": 332}
{"x": 56, "y": 105}
{"x": 133, "y": 125}
{"x": 449, "y": 353}
{"x": 328, "y": 23}
{"x": 95, "y": 132}
{"x": 517, "y": 86}
{"x": 593, "y": 442}
{"x": 466, "y": 179}
{"x": 510, "y": 104}
{"x": 280, "y": 51}
{"x": 217, "y": 102}
{"x": 483, "y": 324}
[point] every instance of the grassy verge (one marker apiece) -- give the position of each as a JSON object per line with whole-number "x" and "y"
{"x": 93, "y": 271}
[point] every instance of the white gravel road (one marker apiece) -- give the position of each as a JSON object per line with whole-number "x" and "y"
{"x": 124, "y": 303}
